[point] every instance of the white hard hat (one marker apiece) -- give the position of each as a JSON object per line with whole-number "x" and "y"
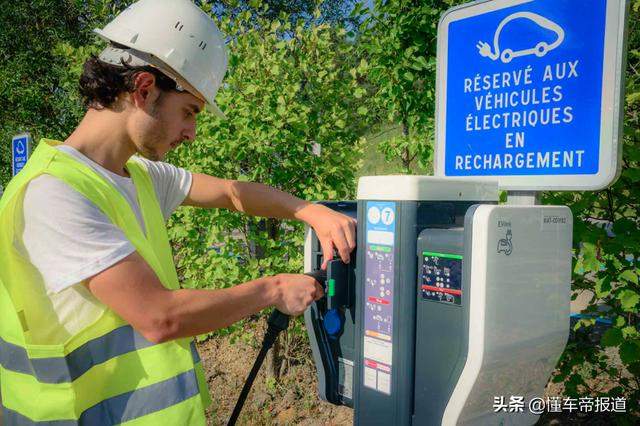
{"x": 175, "y": 36}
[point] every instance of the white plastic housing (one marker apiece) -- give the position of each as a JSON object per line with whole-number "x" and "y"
{"x": 424, "y": 188}
{"x": 518, "y": 313}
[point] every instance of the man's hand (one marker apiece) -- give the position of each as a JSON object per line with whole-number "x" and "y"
{"x": 296, "y": 292}
{"x": 334, "y": 230}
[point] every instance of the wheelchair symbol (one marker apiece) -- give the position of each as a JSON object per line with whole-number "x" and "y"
{"x": 20, "y": 149}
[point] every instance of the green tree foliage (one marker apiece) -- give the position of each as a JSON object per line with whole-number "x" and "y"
{"x": 607, "y": 251}
{"x": 41, "y": 51}
{"x": 43, "y": 44}
{"x": 399, "y": 44}
{"x": 282, "y": 96}
{"x": 335, "y": 12}
{"x": 30, "y": 94}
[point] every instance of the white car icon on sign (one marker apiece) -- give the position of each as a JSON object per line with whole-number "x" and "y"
{"x": 540, "y": 49}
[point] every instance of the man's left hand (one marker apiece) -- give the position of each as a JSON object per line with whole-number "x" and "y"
{"x": 334, "y": 230}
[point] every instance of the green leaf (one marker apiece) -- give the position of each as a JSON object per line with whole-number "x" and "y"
{"x": 634, "y": 368}
{"x": 629, "y": 351}
{"x": 611, "y": 337}
{"x": 633, "y": 97}
{"x": 584, "y": 322}
{"x": 363, "y": 66}
{"x": 633, "y": 174}
{"x": 628, "y": 299}
{"x": 630, "y": 276}
{"x": 359, "y": 92}
{"x": 603, "y": 287}
{"x": 590, "y": 261}
{"x": 630, "y": 332}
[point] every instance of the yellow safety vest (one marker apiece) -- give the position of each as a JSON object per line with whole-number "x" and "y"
{"x": 107, "y": 373}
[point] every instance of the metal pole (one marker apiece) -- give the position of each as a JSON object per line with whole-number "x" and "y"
{"x": 523, "y": 198}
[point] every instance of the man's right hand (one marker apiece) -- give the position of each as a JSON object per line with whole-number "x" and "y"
{"x": 296, "y": 292}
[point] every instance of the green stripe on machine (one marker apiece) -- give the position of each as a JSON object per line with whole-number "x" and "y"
{"x": 445, "y": 255}
{"x": 384, "y": 249}
{"x": 331, "y": 287}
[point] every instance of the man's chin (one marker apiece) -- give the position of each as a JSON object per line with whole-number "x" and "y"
{"x": 151, "y": 155}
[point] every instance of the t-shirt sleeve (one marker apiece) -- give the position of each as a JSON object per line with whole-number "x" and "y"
{"x": 66, "y": 237}
{"x": 171, "y": 183}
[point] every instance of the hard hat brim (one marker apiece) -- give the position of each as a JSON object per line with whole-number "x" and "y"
{"x": 210, "y": 104}
{"x": 213, "y": 108}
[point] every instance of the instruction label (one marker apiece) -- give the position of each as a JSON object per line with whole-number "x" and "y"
{"x": 378, "y": 295}
{"x": 442, "y": 277}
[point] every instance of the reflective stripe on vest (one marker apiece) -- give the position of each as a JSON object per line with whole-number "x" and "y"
{"x": 68, "y": 368}
{"x": 125, "y": 407}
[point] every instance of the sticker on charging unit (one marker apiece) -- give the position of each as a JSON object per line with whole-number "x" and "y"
{"x": 378, "y": 295}
{"x": 381, "y": 222}
{"x": 442, "y": 277}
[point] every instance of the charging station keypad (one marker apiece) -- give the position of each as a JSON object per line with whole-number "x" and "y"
{"x": 442, "y": 277}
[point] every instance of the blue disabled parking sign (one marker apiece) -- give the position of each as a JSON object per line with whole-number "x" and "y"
{"x": 20, "y": 151}
{"x": 529, "y": 92}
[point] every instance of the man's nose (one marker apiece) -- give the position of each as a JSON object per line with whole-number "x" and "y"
{"x": 189, "y": 134}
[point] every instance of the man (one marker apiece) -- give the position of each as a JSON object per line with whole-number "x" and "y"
{"x": 95, "y": 328}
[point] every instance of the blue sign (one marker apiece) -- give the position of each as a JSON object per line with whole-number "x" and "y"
{"x": 524, "y": 89}
{"x": 20, "y": 150}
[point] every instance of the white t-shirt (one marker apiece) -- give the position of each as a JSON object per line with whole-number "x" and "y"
{"x": 68, "y": 239}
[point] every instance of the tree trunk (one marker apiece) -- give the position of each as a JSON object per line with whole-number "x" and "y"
{"x": 406, "y": 157}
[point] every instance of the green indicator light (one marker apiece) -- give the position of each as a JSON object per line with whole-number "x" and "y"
{"x": 381, "y": 248}
{"x": 332, "y": 287}
{"x": 446, "y": 255}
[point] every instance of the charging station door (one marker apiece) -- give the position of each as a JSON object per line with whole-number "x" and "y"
{"x": 441, "y": 321}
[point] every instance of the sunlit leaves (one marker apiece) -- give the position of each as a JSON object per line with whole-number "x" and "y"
{"x": 289, "y": 88}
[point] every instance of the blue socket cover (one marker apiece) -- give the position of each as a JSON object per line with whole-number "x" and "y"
{"x": 332, "y": 322}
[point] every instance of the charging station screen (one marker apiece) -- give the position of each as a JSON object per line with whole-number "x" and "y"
{"x": 442, "y": 277}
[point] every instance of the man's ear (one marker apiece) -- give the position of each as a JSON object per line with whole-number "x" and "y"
{"x": 145, "y": 90}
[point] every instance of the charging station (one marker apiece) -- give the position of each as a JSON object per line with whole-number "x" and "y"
{"x": 452, "y": 299}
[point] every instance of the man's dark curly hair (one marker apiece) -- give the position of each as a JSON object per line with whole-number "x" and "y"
{"x": 101, "y": 83}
